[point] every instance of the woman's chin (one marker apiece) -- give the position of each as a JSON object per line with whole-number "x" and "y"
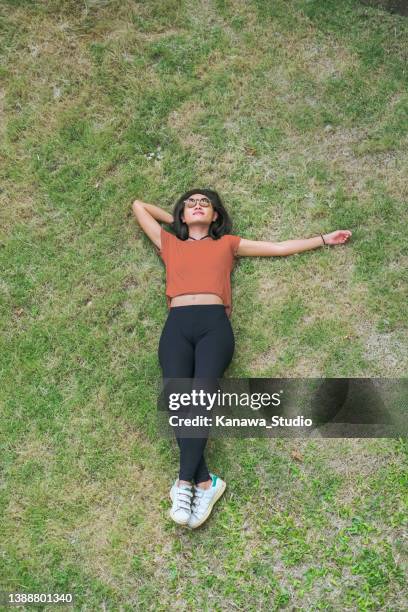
{"x": 198, "y": 223}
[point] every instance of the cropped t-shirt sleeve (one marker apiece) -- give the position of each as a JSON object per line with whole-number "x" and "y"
{"x": 165, "y": 238}
{"x": 234, "y": 242}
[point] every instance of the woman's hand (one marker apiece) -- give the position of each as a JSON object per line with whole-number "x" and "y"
{"x": 337, "y": 237}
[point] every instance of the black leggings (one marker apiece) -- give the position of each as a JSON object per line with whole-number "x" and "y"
{"x": 197, "y": 341}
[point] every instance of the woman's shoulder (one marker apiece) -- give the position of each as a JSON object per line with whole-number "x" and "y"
{"x": 233, "y": 242}
{"x": 231, "y": 236}
{"x": 166, "y": 235}
{"x": 166, "y": 231}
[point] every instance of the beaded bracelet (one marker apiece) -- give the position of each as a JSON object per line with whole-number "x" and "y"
{"x": 323, "y": 239}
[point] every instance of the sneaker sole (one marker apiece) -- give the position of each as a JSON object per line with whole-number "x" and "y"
{"x": 207, "y": 514}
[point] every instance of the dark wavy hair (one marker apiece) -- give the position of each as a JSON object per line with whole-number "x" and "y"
{"x": 222, "y": 225}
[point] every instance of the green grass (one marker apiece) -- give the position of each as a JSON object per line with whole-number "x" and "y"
{"x": 296, "y": 112}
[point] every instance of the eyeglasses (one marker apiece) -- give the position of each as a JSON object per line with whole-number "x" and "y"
{"x": 191, "y": 203}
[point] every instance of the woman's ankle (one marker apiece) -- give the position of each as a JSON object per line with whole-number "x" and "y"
{"x": 180, "y": 483}
{"x": 204, "y": 485}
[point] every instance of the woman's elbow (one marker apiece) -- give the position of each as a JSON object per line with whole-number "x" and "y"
{"x": 137, "y": 211}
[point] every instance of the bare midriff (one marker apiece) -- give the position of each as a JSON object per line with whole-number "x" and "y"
{"x": 188, "y": 299}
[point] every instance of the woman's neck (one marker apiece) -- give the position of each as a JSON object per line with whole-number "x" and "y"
{"x": 197, "y": 233}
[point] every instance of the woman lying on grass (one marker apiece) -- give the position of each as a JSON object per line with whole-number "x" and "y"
{"x": 197, "y": 341}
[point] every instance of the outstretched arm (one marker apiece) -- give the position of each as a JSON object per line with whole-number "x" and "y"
{"x": 147, "y": 216}
{"x": 259, "y": 248}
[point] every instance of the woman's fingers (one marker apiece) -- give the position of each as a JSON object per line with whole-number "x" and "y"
{"x": 341, "y": 236}
{"x": 338, "y": 236}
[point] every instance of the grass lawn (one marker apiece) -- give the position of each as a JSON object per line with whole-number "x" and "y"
{"x": 296, "y": 112}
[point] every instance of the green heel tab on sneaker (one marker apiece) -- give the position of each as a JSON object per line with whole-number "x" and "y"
{"x": 214, "y": 480}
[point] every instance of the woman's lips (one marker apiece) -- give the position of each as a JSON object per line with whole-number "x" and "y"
{"x": 198, "y": 213}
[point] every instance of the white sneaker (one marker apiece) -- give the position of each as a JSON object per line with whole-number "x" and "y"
{"x": 204, "y": 500}
{"x": 181, "y": 498}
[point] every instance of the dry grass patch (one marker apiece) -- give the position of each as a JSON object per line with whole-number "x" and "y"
{"x": 327, "y": 294}
{"x": 34, "y": 448}
{"x": 125, "y": 520}
{"x": 208, "y": 17}
{"x": 310, "y": 366}
{"x": 182, "y": 120}
{"x": 2, "y": 111}
{"x": 390, "y": 350}
{"x": 18, "y": 205}
{"x": 338, "y": 148}
{"x": 324, "y": 59}
{"x": 54, "y": 61}
{"x": 124, "y": 517}
{"x": 350, "y": 457}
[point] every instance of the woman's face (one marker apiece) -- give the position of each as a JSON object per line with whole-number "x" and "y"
{"x": 199, "y": 213}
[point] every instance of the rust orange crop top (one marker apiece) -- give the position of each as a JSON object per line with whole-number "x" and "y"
{"x": 199, "y": 266}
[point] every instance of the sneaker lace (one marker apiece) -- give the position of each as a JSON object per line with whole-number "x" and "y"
{"x": 183, "y": 497}
{"x": 199, "y": 494}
